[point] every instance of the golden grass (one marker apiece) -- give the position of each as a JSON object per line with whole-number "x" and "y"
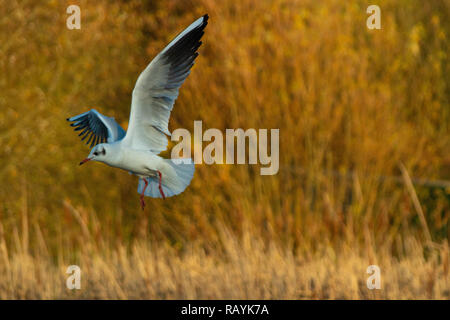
{"x": 244, "y": 268}
{"x": 361, "y": 114}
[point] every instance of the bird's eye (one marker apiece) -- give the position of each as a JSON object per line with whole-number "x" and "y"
{"x": 103, "y": 152}
{"x": 96, "y": 153}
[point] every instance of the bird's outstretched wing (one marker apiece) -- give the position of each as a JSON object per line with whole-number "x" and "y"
{"x": 97, "y": 127}
{"x": 157, "y": 87}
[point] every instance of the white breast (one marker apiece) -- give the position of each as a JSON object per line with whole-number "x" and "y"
{"x": 137, "y": 161}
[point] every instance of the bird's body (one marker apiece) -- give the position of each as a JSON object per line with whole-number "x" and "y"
{"x": 154, "y": 95}
{"x": 139, "y": 162}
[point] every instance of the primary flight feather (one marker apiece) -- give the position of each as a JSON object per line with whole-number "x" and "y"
{"x": 154, "y": 95}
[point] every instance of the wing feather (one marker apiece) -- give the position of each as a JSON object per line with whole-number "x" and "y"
{"x": 157, "y": 88}
{"x": 96, "y": 127}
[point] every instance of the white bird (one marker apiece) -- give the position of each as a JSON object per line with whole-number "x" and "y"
{"x": 153, "y": 98}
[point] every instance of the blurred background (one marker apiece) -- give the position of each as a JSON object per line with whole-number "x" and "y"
{"x": 364, "y": 173}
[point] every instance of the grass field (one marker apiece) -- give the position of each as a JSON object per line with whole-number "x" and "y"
{"x": 364, "y": 121}
{"x": 245, "y": 268}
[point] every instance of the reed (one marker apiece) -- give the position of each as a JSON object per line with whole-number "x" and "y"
{"x": 364, "y": 120}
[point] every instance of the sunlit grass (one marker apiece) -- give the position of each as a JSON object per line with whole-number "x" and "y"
{"x": 352, "y": 106}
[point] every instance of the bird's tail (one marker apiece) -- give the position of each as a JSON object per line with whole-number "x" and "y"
{"x": 176, "y": 175}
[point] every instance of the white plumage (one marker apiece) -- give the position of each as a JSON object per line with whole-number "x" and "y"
{"x": 154, "y": 95}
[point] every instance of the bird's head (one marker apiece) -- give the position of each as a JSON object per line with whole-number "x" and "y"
{"x": 98, "y": 153}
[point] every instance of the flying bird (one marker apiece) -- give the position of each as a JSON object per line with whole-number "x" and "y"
{"x": 154, "y": 95}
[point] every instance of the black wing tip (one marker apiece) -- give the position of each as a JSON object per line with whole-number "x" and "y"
{"x": 91, "y": 127}
{"x": 193, "y": 36}
{"x": 204, "y": 22}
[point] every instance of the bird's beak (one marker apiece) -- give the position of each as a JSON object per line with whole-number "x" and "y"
{"x": 84, "y": 161}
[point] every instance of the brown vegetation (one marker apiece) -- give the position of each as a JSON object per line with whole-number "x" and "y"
{"x": 364, "y": 127}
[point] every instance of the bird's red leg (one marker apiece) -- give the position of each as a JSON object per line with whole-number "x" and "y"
{"x": 142, "y": 194}
{"x": 160, "y": 187}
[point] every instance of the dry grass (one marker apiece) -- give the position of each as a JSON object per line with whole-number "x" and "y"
{"x": 361, "y": 114}
{"x": 244, "y": 268}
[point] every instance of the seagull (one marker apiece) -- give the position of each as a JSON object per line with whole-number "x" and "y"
{"x": 136, "y": 150}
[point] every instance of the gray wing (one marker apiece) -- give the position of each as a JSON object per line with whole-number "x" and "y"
{"x": 96, "y": 127}
{"x": 157, "y": 87}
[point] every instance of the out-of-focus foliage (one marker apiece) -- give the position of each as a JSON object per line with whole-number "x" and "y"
{"x": 247, "y": 268}
{"x": 351, "y": 105}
